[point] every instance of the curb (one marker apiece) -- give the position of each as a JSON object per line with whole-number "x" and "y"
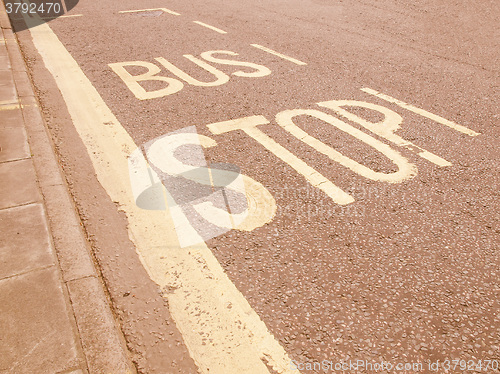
{"x": 103, "y": 344}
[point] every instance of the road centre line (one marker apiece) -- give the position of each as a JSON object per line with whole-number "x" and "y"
{"x": 422, "y": 112}
{"x": 219, "y": 338}
{"x": 149, "y": 10}
{"x": 268, "y": 50}
{"x": 210, "y": 27}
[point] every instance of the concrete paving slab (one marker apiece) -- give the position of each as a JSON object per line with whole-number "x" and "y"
{"x": 4, "y": 57}
{"x": 17, "y": 183}
{"x": 37, "y": 332}
{"x": 13, "y": 144}
{"x": 23, "y": 84}
{"x": 4, "y": 20}
{"x": 7, "y": 87}
{"x": 10, "y": 116}
{"x": 25, "y": 244}
{"x": 15, "y": 55}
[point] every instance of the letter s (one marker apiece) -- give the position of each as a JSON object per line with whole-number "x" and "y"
{"x": 260, "y": 71}
{"x": 225, "y": 187}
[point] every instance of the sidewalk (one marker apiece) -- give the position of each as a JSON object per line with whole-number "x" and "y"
{"x": 54, "y": 314}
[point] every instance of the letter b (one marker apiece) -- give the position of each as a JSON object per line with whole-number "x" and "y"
{"x": 173, "y": 85}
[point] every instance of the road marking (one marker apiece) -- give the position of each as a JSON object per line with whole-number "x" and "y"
{"x": 9, "y": 106}
{"x": 249, "y": 126}
{"x": 149, "y": 10}
{"x": 406, "y": 170}
{"x": 386, "y": 128}
{"x": 71, "y": 15}
{"x": 222, "y": 332}
{"x": 12, "y": 105}
{"x": 9, "y": 102}
{"x": 174, "y": 85}
{"x": 291, "y": 59}
{"x": 234, "y": 191}
{"x": 260, "y": 70}
{"x": 221, "y": 77}
{"x": 210, "y": 27}
{"x": 422, "y": 112}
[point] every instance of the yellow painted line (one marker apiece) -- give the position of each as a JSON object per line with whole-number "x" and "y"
{"x": 422, "y": 112}
{"x": 285, "y": 57}
{"x": 210, "y": 27}
{"x": 9, "y": 102}
{"x": 71, "y": 15}
{"x": 9, "y": 107}
{"x": 222, "y": 332}
{"x": 150, "y": 10}
{"x": 66, "y": 16}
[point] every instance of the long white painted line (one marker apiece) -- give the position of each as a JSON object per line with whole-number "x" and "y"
{"x": 285, "y": 57}
{"x": 210, "y": 27}
{"x": 422, "y": 112}
{"x": 222, "y": 332}
{"x": 150, "y": 10}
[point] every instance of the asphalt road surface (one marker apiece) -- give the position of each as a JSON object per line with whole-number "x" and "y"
{"x": 298, "y": 237}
